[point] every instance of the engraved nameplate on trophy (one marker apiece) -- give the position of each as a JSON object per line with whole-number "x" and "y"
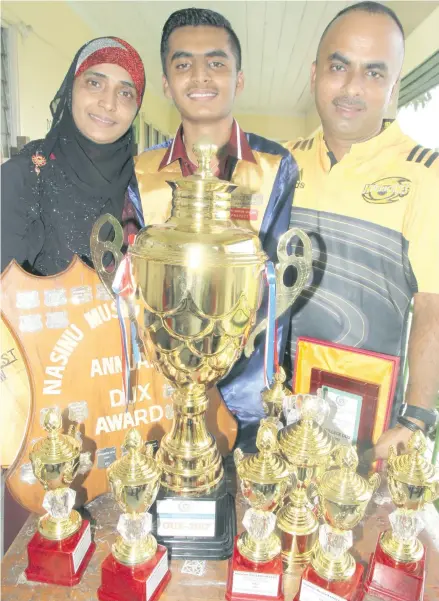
{"x": 184, "y": 517}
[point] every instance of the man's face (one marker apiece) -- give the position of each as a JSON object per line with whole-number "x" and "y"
{"x": 201, "y": 76}
{"x": 358, "y": 66}
{"x": 104, "y": 103}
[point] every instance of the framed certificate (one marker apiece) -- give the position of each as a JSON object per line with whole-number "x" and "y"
{"x": 369, "y": 378}
{"x": 352, "y": 405}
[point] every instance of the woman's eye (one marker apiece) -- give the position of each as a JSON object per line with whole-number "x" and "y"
{"x": 127, "y": 94}
{"x": 93, "y": 83}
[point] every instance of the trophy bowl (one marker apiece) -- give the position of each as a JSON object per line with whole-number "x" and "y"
{"x": 55, "y": 463}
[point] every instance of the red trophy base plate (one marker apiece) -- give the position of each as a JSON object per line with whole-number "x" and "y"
{"x": 142, "y": 582}
{"x": 249, "y": 581}
{"x": 389, "y": 580}
{"x": 60, "y": 562}
{"x": 350, "y": 590}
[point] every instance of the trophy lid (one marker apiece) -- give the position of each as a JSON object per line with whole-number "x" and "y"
{"x": 266, "y": 466}
{"x": 411, "y": 467}
{"x": 344, "y": 485}
{"x": 137, "y": 466}
{"x": 200, "y": 231}
{"x": 306, "y": 442}
{"x": 56, "y": 447}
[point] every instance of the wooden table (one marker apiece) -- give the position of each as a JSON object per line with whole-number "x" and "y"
{"x": 187, "y": 587}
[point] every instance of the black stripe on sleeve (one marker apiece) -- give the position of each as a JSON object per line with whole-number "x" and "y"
{"x": 422, "y": 155}
{"x": 429, "y": 162}
{"x": 411, "y": 156}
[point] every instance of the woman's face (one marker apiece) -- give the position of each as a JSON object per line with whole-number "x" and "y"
{"x": 104, "y": 103}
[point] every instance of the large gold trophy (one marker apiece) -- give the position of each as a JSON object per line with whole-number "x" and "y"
{"x": 198, "y": 283}
{"x": 397, "y": 567}
{"x": 61, "y": 549}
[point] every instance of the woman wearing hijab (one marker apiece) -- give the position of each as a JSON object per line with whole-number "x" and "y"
{"x": 54, "y": 189}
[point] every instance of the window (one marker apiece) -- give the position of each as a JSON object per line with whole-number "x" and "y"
{"x": 6, "y": 96}
{"x": 419, "y": 103}
{"x": 9, "y": 93}
{"x": 146, "y": 135}
{"x": 156, "y": 137}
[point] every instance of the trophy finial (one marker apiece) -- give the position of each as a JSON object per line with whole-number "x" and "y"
{"x": 416, "y": 443}
{"x": 52, "y": 421}
{"x": 204, "y": 151}
{"x": 133, "y": 440}
{"x": 266, "y": 438}
{"x": 347, "y": 458}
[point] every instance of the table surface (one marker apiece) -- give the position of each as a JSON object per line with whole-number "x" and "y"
{"x": 211, "y": 584}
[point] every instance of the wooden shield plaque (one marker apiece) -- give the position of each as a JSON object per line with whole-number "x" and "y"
{"x": 68, "y": 331}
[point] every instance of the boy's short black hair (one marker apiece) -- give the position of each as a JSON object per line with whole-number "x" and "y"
{"x": 367, "y": 7}
{"x": 194, "y": 17}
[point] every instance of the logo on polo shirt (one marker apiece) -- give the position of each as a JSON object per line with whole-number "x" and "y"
{"x": 386, "y": 190}
{"x": 300, "y": 183}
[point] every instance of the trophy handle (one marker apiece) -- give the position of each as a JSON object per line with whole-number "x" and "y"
{"x": 117, "y": 490}
{"x": 38, "y": 466}
{"x": 69, "y": 472}
{"x": 314, "y": 496}
{"x": 100, "y": 247}
{"x": 286, "y": 295}
{"x": 432, "y": 492}
{"x": 374, "y": 482}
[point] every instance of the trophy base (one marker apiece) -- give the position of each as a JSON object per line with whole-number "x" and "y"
{"x": 389, "y": 580}
{"x": 313, "y": 586}
{"x": 142, "y": 582}
{"x": 60, "y": 562}
{"x": 250, "y": 581}
{"x": 211, "y": 516}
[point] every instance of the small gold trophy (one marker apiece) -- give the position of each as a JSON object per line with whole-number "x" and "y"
{"x": 307, "y": 449}
{"x": 137, "y": 569}
{"x": 256, "y": 568}
{"x": 342, "y": 495}
{"x": 61, "y": 549}
{"x": 398, "y": 564}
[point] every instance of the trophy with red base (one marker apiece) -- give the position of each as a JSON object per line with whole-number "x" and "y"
{"x": 137, "y": 569}
{"x": 61, "y": 549}
{"x": 397, "y": 567}
{"x": 342, "y": 496}
{"x": 255, "y": 568}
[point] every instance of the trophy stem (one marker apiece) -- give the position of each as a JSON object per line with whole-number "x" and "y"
{"x": 259, "y": 550}
{"x": 298, "y": 528}
{"x": 188, "y": 454}
{"x": 133, "y": 553}
{"x": 403, "y": 551}
{"x": 330, "y": 567}
{"x": 59, "y": 528}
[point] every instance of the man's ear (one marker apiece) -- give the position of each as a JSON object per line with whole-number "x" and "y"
{"x": 313, "y": 76}
{"x": 240, "y": 81}
{"x": 166, "y": 90}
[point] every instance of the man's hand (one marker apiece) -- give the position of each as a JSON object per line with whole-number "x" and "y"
{"x": 397, "y": 437}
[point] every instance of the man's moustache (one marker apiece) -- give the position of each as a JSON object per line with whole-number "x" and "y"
{"x": 350, "y": 102}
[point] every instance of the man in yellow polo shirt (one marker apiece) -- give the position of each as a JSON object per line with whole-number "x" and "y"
{"x": 368, "y": 196}
{"x": 201, "y": 58}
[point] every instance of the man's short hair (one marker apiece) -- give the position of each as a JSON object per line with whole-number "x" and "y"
{"x": 195, "y": 17}
{"x": 375, "y": 8}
